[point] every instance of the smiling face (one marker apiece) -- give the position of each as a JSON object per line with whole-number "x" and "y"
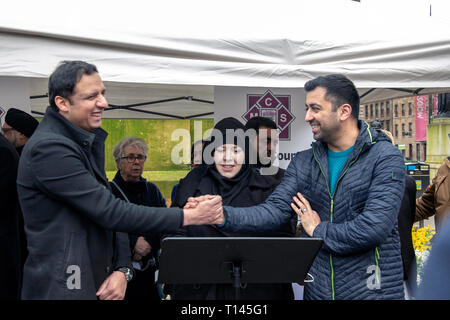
{"x": 320, "y": 115}
{"x": 229, "y": 159}
{"x": 85, "y": 106}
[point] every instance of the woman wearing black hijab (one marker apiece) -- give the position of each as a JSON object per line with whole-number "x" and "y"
{"x": 231, "y": 177}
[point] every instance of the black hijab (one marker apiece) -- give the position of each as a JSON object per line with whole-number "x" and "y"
{"x": 213, "y": 182}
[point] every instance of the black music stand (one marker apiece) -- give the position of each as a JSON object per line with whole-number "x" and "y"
{"x": 236, "y": 260}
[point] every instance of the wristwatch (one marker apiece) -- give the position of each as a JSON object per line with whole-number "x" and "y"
{"x": 127, "y": 272}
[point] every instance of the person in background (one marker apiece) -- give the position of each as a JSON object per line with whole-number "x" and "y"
{"x": 264, "y": 144}
{"x": 435, "y": 201}
{"x": 130, "y": 154}
{"x": 231, "y": 177}
{"x": 18, "y": 127}
{"x": 10, "y": 266}
{"x": 405, "y": 222}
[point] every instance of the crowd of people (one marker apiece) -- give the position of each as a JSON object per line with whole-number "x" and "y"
{"x": 69, "y": 233}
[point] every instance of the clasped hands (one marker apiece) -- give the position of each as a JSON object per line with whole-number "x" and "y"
{"x": 206, "y": 209}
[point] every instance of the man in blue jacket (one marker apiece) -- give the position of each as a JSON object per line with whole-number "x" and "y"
{"x": 347, "y": 190}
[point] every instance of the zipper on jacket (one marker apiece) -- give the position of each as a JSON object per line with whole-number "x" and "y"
{"x": 332, "y": 207}
{"x": 377, "y": 269}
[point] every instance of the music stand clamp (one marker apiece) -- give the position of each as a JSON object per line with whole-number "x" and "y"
{"x": 236, "y": 260}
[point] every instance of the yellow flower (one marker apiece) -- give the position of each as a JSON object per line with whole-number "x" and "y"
{"x": 421, "y": 238}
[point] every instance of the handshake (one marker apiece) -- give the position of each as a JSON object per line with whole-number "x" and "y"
{"x": 205, "y": 209}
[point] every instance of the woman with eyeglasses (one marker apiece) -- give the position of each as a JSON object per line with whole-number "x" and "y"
{"x": 130, "y": 154}
{"x": 230, "y": 176}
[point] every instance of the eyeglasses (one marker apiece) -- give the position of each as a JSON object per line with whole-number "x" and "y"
{"x": 132, "y": 158}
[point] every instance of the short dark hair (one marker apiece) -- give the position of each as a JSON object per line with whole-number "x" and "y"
{"x": 63, "y": 80}
{"x": 340, "y": 90}
{"x": 258, "y": 122}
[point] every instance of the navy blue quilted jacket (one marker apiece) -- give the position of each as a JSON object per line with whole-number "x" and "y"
{"x": 360, "y": 257}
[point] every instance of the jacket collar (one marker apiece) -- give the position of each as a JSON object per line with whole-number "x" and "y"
{"x": 57, "y": 123}
{"x": 93, "y": 143}
{"x": 366, "y": 138}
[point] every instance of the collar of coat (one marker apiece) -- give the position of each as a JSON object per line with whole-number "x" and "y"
{"x": 367, "y": 137}
{"x": 58, "y": 124}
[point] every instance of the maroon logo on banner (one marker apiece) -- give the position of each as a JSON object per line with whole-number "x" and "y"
{"x": 271, "y": 106}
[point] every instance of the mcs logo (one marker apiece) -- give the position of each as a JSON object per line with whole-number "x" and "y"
{"x": 275, "y": 107}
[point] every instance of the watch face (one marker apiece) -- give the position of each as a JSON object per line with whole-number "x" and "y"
{"x": 127, "y": 272}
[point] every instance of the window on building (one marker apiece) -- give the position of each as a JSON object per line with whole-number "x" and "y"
{"x": 396, "y": 130}
{"x": 367, "y": 111}
{"x": 403, "y": 129}
{"x": 376, "y": 110}
{"x": 388, "y": 125}
{"x": 410, "y": 151}
{"x": 410, "y": 112}
{"x": 396, "y": 110}
{"x": 371, "y": 111}
{"x": 403, "y": 109}
{"x": 410, "y": 128}
{"x": 418, "y": 151}
{"x": 382, "y": 109}
{"x": 388, "y": 109}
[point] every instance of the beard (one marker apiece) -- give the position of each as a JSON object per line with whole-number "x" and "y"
{"x": 326, "y": 131}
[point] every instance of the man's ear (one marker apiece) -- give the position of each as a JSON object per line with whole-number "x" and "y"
{"x": 345, "y": 112}
{"x": 63, "y": 104}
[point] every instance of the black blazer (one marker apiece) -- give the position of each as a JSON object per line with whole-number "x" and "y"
{"x": 71, "y": 216}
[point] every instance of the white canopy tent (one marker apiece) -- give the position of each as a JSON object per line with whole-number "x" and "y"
{"x": 170, "y": 50}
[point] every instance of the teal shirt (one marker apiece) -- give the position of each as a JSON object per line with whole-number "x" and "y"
{"x": 336, "y": 161}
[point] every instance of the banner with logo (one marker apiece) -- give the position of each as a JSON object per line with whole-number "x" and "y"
{"x": 420, "y": 106}
{"x": 286, "y": 107}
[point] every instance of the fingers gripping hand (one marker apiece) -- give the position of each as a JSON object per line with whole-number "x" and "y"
{"x": 208, "y": 211}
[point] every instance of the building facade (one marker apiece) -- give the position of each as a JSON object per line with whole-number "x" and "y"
{"x": 398, "y": 116}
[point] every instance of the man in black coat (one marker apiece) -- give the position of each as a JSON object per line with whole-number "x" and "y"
{"x": 18, "y": 128}
{"x": 10, "y": 270}
{"x": 71, "y": 217}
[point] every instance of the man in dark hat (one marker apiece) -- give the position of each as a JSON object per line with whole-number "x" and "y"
{"x": 10, "y": 267}
{"x": 18, "y": 128}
